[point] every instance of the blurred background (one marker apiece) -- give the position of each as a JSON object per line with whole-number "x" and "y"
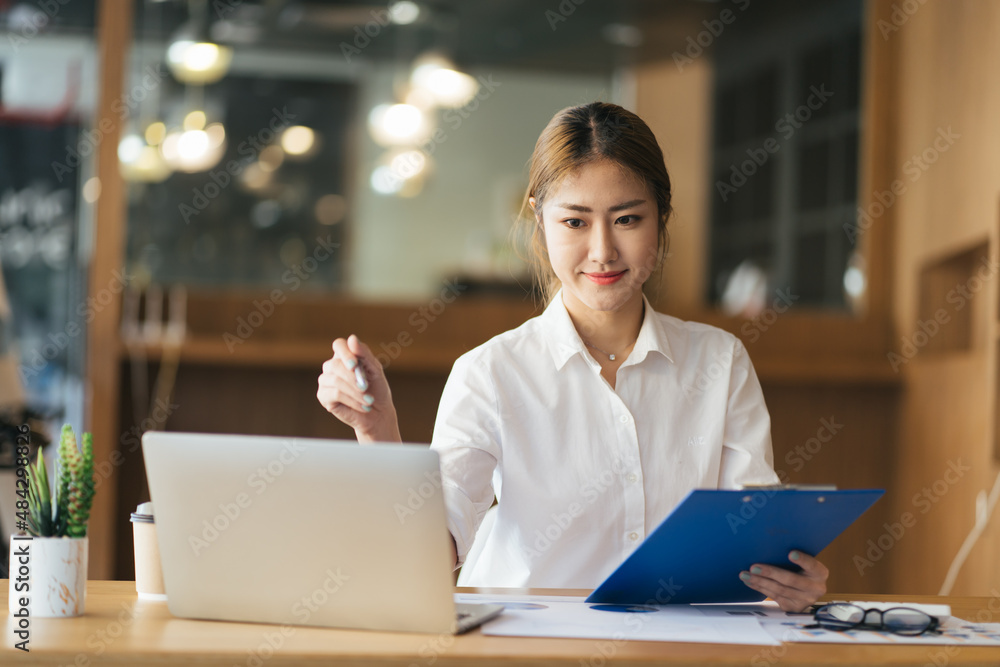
{"x": 198, "y": 196}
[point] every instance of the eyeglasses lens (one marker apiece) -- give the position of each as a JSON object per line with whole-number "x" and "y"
{"x": 840, "y": 615}
{"x": 905, "y": 621}
{"x": 900, "y": 620}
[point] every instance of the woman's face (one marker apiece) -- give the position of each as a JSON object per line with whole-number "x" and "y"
{"x": 600, "y": 227}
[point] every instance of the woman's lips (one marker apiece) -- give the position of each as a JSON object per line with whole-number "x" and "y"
{"x": 605, "y": 278}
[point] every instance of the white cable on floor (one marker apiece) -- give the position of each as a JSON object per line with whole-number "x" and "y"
{"x": 984, "y": 509}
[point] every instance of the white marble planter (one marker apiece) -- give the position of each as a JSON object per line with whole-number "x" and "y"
{"x": 50, "y": 574}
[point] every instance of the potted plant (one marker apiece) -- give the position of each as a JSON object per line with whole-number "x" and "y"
{"x": 49, "y": 568}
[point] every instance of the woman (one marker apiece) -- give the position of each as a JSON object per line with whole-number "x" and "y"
{"x": 593, "y": 420}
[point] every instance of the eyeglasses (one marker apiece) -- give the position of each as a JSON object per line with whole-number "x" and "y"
{"x": 898, "y": 620}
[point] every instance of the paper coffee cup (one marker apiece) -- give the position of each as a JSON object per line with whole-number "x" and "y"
{"x": 148, "y": 573}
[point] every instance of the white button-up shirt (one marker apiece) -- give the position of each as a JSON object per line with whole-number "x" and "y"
{"x": 583, "y": 472}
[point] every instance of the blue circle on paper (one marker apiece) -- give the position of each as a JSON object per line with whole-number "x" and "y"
{"x": 628, "y": 608}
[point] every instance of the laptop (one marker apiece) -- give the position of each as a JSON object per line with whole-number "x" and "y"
{"x": 304, "y": 531}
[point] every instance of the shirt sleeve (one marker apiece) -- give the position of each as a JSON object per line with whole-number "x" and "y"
{"x": 467, "y": 440}
{"x": 747, "y": 456}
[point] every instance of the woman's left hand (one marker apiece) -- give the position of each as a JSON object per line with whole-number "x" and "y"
{"x": 792, "y": 591}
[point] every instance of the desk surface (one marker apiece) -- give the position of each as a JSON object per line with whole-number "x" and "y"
{"x": 118, "y": 628}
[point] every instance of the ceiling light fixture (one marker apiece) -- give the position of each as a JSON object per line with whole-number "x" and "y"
{"x": 398, "y": 125}
{"x": 192, "y": 55}
{"x": 138, "y": 161}
{"x": 404, "y": 12}
{"x": 194, "y": 150}
{"x": 298, "y": 140}
{"x": 437, "y": 77}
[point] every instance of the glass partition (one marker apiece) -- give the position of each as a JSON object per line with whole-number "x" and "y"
{"x": 424, "y": 116}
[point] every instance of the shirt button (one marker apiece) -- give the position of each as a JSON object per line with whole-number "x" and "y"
{"x": 632, "y": 477}
{"x": 633, "y": 536}
{"x": 624, "y": 419}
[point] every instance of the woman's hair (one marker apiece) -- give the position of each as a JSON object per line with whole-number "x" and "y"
{"x": 577, "y": 136}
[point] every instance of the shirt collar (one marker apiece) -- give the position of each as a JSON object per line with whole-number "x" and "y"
{"x": 565, "y": 342}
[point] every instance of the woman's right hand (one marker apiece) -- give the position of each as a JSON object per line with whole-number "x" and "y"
{"x": 369, "y": 411}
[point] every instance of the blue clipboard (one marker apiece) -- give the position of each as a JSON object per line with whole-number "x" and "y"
{"x": 697, "y": 553}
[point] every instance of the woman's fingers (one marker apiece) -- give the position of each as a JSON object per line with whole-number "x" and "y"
{"x": 353, "y": 354}
{"x": 354, "y": 365}
{"x": 352, "y": 379}
{"x": 791, "y": 590}
{"x": 334, "y": 400}
{"x": 344, "y": 390}
{"x": 343, "y": 353}
{"x": 788, "y": 599}
{"x": 811, "y": 567}
{"x": 360, "y": 350}
{"x": 353, "y": 389}
{"x": 335, "y": 368}
{"x": 813, "y": 574}
{"x": 333, "y": 391}
{"x": 339, "y": 383}
{"x": 371, "y": 368}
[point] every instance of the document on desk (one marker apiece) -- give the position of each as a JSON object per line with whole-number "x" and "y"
{"x": 552, "y": 616}
{"x": 790, "y": 627}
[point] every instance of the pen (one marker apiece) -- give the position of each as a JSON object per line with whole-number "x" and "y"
{"x": 359, "y": 377}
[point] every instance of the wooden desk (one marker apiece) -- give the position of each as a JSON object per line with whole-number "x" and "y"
{"x": 120, "y": 629}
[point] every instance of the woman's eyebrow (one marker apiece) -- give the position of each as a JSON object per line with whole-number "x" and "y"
{"x": 575, "y": 207}
{"x": 628, "y": 204}
{"x": 616, "y": 207}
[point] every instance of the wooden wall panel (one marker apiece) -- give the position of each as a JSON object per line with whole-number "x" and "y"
{"x": 947, "y": 56}
{"x": 114, "y": 35}
{"x": 946, "y": 426}
{"x": 677, "y": 106}
{"x": 859, "y": 425}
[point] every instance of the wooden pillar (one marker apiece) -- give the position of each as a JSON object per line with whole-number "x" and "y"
{"x": 877, "y": 164}
{"x": 114, "y": 34}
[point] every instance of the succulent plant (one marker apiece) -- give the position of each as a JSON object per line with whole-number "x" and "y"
{"x": 62, "y": 511}
{"x": 81, "y": 489}
{"x": 43, "y": 514}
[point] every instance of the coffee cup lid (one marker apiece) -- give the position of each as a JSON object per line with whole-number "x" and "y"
{"x": 143, "y": 513}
